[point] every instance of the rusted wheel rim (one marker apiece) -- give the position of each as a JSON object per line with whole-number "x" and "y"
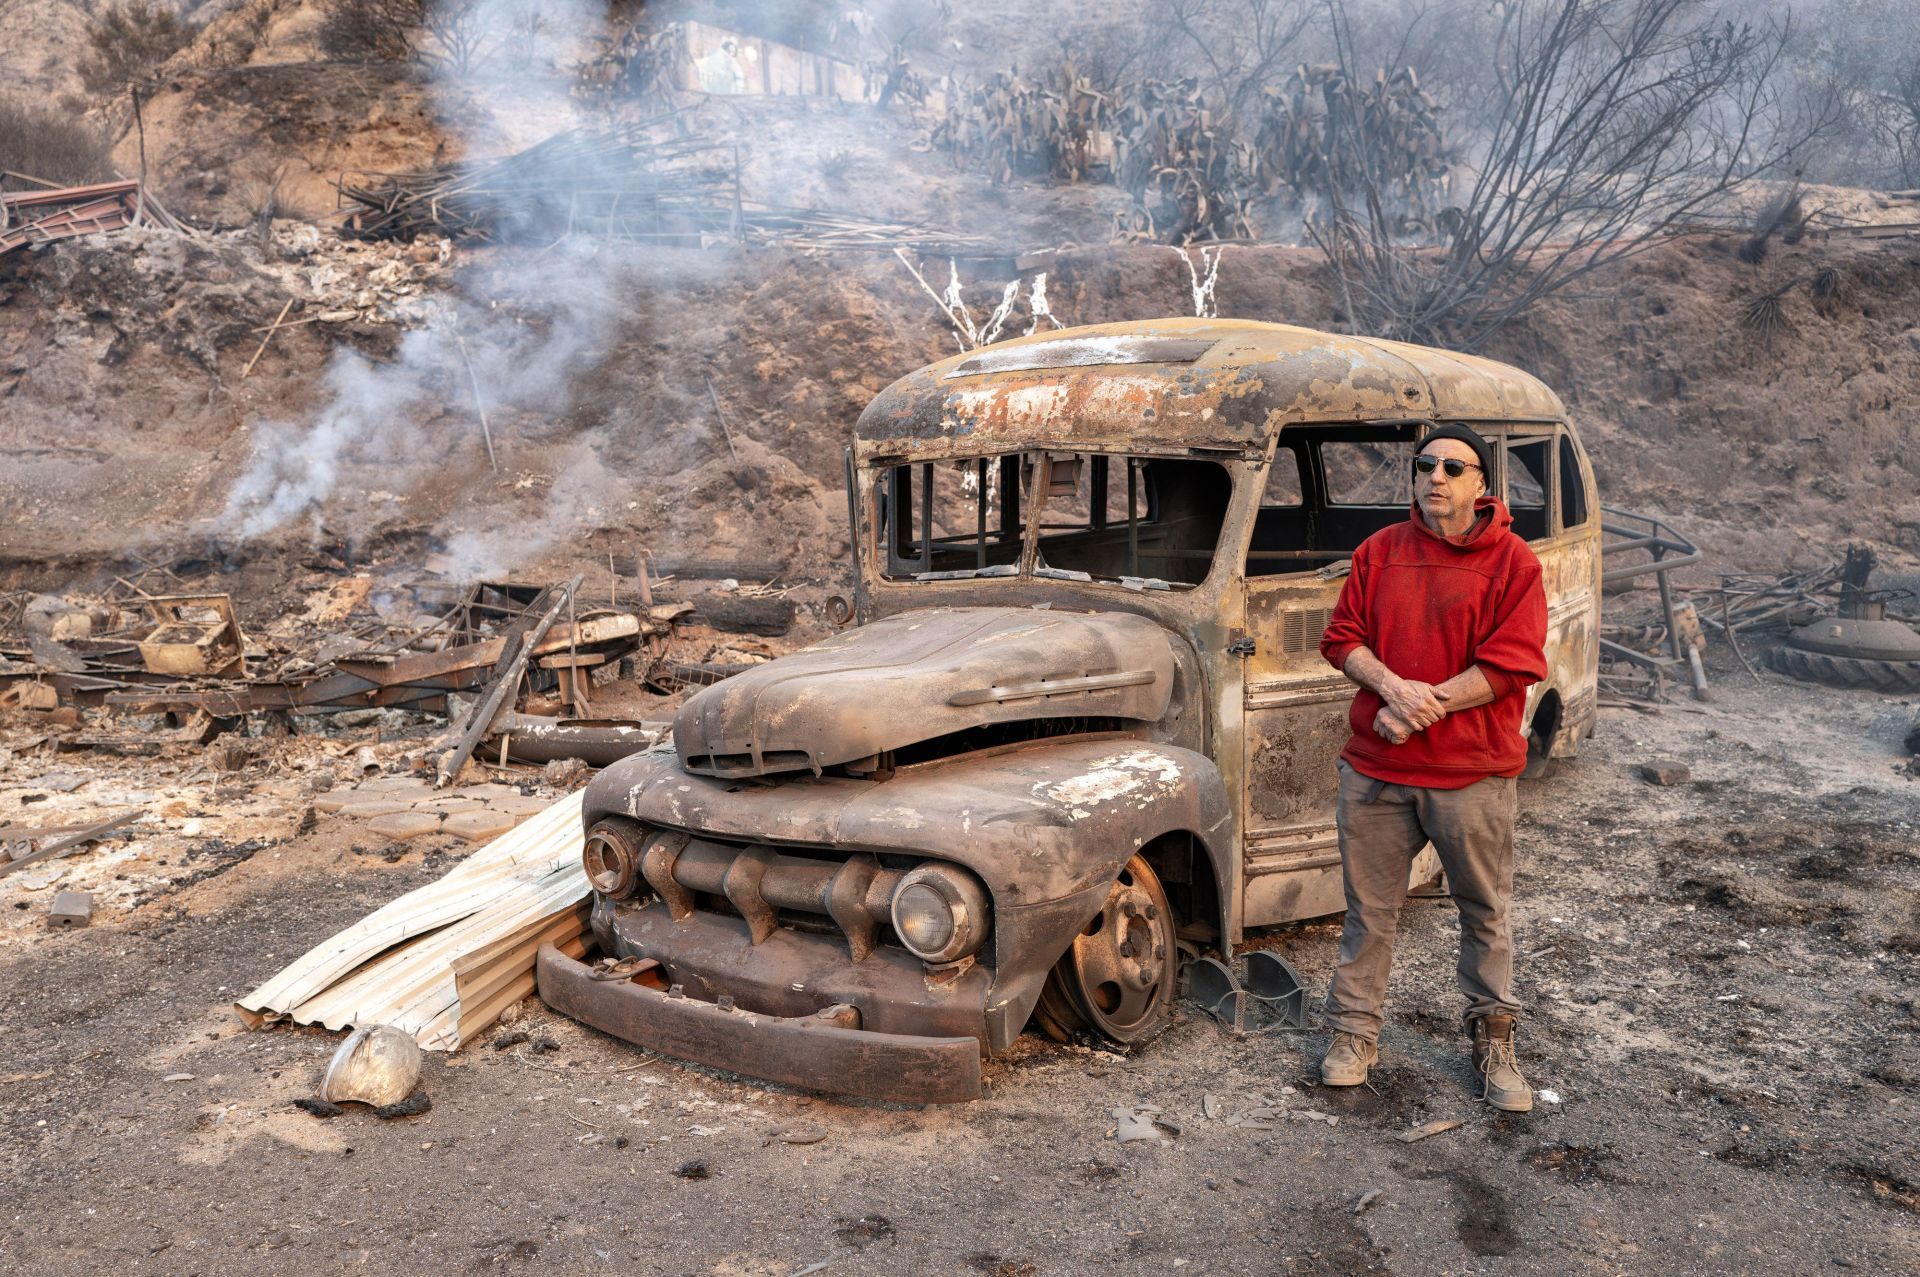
{"x": 1122, "y": 958}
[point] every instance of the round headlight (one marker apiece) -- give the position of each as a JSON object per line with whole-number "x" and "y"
{"x": 611, "y": 858}
{"x": 923, "y": 918}
{"x": 940, "y": 913}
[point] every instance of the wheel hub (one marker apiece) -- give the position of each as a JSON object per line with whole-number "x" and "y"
{"x": 1121, "y": 956}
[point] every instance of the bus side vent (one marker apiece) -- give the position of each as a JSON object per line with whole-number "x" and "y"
{"x": 1300, "y": 631}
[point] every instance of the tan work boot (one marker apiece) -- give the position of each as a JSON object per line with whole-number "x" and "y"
{"x": 1501, "y": 1084}
{"x": 1347, "y": 1060}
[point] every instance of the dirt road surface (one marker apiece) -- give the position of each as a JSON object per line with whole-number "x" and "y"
{"x": 1719, "y": 973}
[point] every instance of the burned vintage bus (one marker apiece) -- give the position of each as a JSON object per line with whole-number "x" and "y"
{"x": 1080, "y": 718}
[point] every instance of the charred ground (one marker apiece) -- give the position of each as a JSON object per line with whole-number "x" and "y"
{"x": 1717, "y": 982}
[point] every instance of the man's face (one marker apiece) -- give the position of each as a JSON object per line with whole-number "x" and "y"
{"x": 1445, "y": 500}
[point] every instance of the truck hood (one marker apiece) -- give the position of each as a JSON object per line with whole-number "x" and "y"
{"x": 921, "y": 675}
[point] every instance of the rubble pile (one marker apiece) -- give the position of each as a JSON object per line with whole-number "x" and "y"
{"x": 196, "y": 296}
{"x": 343, "y": 281}
{"x": 134, "y": 672}
{"x": 150, "y": 741}
{"x": 1820, "y": 624}
{"x": 45, "y": 215}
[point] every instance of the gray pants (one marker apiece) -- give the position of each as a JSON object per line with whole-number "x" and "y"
{"x": 1382, "y": 828}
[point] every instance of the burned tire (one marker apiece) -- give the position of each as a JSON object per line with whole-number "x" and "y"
{"x": 1116, "y": 980}
{"x": 1847, "y": 671}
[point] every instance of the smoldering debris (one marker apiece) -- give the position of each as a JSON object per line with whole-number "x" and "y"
{"x": 132, "y": 674}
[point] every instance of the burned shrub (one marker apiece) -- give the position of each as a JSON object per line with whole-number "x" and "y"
{"x": 370, "y": 30}
{"x": 1766, "y": 315}
{"x": 1043, "y": 124}
{"x": 51, "y": 145}
{"x": 128, "y": 41}
{"x": 1831, "y": 288}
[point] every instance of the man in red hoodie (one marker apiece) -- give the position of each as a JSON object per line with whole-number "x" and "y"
{"x": 1443, "y": 624}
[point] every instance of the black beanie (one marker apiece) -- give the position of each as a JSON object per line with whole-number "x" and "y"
{"x": 1481, "y": 448}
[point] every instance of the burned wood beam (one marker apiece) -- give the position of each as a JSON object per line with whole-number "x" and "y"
{"x": 504, "y": 683}
{"x": 91, "y": 834}
{"x": 770, "y": 615}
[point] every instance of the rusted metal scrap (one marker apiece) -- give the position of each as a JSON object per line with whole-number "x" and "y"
{"x": 190, "y": 659}
{"x": 505, "y": 680}
{"x": 194, "y": 634}
{"x": 40, "y": 217}
{"x": 1859, "y": 646}
{"x": 415, "y": 680}
{"x": 60, "y": 847}
{"x": 1627, "y": 534}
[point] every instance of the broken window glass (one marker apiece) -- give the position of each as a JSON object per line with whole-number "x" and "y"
{"x": 1373, "y": 473}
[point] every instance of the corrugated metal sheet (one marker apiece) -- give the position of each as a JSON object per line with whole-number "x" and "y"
{"x": 441, "y": 962}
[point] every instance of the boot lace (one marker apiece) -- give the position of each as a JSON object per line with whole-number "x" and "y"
{"x": 1500, "y": 1055}
{"x": 1361, "y": 1048}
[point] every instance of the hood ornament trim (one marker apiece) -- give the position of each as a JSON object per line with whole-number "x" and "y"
{"x": 1051, "y": 687}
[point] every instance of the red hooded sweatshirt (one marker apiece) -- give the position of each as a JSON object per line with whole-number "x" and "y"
{"x": 1429, "y": 606}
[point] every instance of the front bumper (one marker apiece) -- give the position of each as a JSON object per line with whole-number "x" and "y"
{"x": 810, "y": 1051}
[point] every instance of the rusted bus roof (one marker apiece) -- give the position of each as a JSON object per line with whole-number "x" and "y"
{"x": 1184, "y": 383}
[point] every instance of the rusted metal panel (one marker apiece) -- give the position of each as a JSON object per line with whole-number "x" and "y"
{"x": 795, "y": 973}
{"x": 1252, "y": 380}
{"x": 1036, "y": 822}
{"x": 38, "y": 217}
{"x": 921, "y": 675}
{"x": 1570, "y": 574}
{"x": 1470, "y": 388}
{"x": 1294, "y": 726}
{"x": 70, "y": 194}
{"x": 813, "y": 1051}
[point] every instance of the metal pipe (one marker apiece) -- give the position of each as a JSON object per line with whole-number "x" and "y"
{"x": 530, "y": 738}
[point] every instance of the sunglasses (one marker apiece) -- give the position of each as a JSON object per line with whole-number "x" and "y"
{"x": 1452, "y": 465}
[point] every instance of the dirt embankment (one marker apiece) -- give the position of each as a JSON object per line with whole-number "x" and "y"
{"x": 126, "y": 420}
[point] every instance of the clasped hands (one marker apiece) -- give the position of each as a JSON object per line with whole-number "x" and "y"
{"x": 1411, "y": 706}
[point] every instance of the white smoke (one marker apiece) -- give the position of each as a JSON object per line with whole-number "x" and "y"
{"x": 297, "y": 467}
{"x": 535, "y": 318}
{"x": 510, "y": 87}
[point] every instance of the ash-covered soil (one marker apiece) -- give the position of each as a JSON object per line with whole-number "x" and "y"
{"x": 1719, "y": 977}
